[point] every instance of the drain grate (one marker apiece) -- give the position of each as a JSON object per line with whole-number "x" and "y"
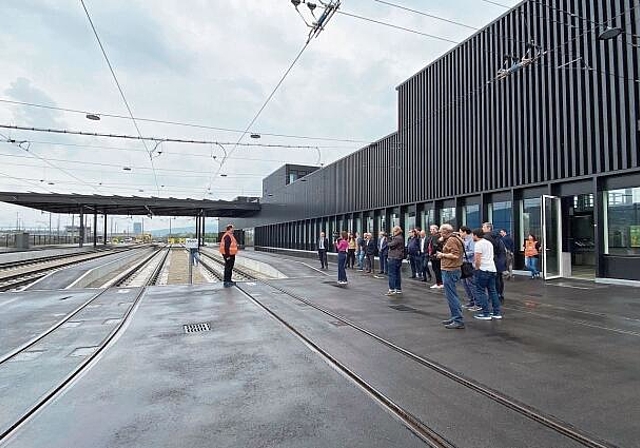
{"x": 197, "y": 328}
{"x": 402, "y": 308}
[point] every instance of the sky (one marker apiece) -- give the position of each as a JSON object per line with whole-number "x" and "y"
{"x": 208, "y": 63}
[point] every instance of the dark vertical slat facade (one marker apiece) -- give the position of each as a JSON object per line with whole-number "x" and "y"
{"x": 572, "y": 115}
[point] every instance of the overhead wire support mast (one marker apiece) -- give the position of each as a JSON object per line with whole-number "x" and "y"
{"x": 318, "y": 25}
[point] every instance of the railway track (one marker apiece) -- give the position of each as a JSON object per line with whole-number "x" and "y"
{"x": 10, "y": 281}
{"x": 414, "y": 423}
{"x": 89, "y": 312}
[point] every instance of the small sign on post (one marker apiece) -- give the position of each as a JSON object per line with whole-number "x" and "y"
{"x": 192, "y": 245}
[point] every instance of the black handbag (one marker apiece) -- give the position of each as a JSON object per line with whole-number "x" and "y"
{"x": 467, "y": 267}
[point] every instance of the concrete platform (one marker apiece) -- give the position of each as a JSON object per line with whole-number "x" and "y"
{"x": 566, "y": 348}
{"x": 245, "y": 383}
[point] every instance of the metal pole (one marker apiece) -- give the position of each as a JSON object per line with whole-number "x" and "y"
{"x": 105, "y": 230}
{"x": 81, "y": 233}
{"x": 190, "y": 266}
{"x": 95, "y": 228}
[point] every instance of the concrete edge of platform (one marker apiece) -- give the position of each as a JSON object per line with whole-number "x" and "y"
{"x": 618, "y": 282}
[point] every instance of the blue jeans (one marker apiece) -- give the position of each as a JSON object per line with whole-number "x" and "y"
{"x": 414, "y": 264}
{"x": 383, "y": 261}
{"x": 395, "y": 282}
{"x": 342, "y": 263}
{"x": 531, "y": 263}
{"x": 486, "y": 281}
{"x": 469, "y": 284}
{"x": 450, "y": 278}
{"x": 360, "y": 256}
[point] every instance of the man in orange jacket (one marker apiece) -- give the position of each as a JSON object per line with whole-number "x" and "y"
{"x": 228, "y": 249}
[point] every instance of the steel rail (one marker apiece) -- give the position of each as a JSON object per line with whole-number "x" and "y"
{"x": 414, "y": 424}
{"x": 13, "y": 281}
{"x": 530, "y": 412}
{"x": 75, "y": 373}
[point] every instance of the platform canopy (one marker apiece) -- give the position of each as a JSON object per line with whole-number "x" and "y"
{"x": 132, "y": 205}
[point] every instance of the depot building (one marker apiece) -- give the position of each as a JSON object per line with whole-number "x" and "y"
{"x": 550, "y": 149}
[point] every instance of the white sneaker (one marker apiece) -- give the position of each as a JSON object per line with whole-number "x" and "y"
{"x": 434, "y": 286}
{"x": 440, "y": 286}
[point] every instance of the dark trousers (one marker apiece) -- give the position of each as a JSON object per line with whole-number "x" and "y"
{"x": 351, "y": 258}
{"x": 342, "y": 264}
{"x": 426, "y": 273}
{"x": 368, "y": 265}
{"x": 413, "y": 264}
{"x": 383, "y": 261}
{"x": 500, "y": 286}
{"x": 322, "y": 255}
{"x": 229, "y": 261}
{"x": 435, "y": 264}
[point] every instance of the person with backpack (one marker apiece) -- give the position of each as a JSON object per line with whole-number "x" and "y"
{"x": 499, "y": 256}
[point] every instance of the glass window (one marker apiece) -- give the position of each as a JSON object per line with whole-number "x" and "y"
{"x": 471, "y": 216}
{"x": 500, "y": 216}
{"x": 369, "y": 224}
{"x": 622, "y": 220}
{"x": 395, "y": 220}
{"x": 409, "y": 222}
{"x": 426, "y": 219}
{"x": 358, "y": 228}
{"x": 448, "y": 216}
{"x": 382, "y": 223}
{"x": 531, "y": 218}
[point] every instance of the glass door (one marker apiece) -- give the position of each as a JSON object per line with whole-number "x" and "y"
{"x": 552, "y": 240}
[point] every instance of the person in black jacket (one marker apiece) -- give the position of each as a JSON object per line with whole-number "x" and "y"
{"x": 499, "y": 256}
{"x": 413, "y": 250}
{"x": 434, "y": 245}
{"x": 323, "y": 247}
{"x": 396, "y": 255}
{"x": 369, "y": 252}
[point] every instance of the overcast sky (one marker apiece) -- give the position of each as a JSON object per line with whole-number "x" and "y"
{"x": 207, "y": 62}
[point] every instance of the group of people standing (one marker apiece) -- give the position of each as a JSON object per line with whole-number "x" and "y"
{"x": 439, "y": 256}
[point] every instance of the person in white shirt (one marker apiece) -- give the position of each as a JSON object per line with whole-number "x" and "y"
{"x": 485, "y": 278}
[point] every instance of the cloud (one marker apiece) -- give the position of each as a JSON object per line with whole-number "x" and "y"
{"x": 23, "y": 90}
{"x": 212, "y": 63}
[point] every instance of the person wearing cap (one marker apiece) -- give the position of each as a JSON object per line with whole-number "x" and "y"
{"x": 228, "y": 249}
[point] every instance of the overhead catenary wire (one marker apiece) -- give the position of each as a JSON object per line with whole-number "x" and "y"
{"x": 169, "y": 153}
{"x": 179, "y": 172}
{"x": 115, "y": 78}
{"x": 425, "y": 14}
{"x": 176, "y": 123}
{"x": 257, "y": 115}
{"x": 398, "y": 27}
{"x": 154, "y": 139}
{"x": 497, "y": 4}
{"x": 29, "y": 181}
{"x": 20, "y": 144}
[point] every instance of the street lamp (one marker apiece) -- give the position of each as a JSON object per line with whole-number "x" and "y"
{"x": 94, "y": 117}
{"x": 610, "y": 33}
